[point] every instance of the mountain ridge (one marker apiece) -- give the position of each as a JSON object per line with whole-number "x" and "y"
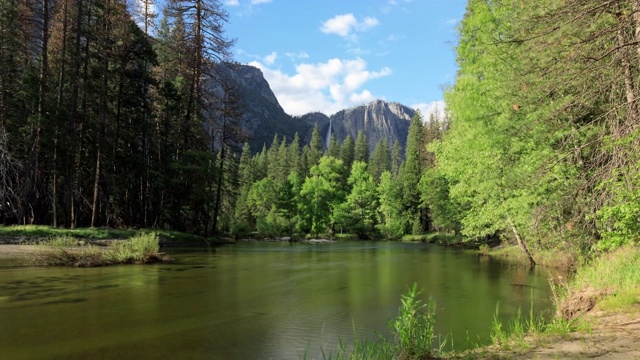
{"x": 263, "y": 116}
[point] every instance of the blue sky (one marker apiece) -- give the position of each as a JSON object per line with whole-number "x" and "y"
{"x": 327, "y": 55}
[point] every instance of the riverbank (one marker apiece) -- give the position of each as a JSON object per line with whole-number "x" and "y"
{"x": 597, "y": 315}
{"x": 31, "y": 246}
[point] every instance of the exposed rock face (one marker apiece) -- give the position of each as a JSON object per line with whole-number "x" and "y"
{"x": 377, "y": 120}
{"x": 263, "y": 116}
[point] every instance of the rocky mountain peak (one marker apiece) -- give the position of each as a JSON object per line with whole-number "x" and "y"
{"x": 263, "y": 117}
{"x": 378, "y": 120}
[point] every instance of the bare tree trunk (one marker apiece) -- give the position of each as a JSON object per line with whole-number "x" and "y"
{"x": 216, "y": 208}
{"x": 42, "y": 89}
{"x": 96, "y": 182}
{"x": 75, "y": 92}
{"x": 521, "y": 243}
{"x": 628, "y": 77}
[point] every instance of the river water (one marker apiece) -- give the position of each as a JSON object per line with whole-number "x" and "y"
{"x": 254, "y": 301}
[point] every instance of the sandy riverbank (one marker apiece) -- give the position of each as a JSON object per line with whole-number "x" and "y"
{"x": 611, "y": 336}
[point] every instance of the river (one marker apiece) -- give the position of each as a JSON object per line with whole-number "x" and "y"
{"x": 254, "y": 301}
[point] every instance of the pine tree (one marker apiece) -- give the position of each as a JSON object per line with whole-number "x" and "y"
{"x": 334, "y": 148}
{"x": 347, "y": 152}
{"x": 396, "y": 158}
{"x": 314, "y": 152}
{"x": 361, "y": 150}
{"x": 380, "y": 159}
{"x": 412, "y": 172}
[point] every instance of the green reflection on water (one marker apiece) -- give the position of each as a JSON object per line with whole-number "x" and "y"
{"x": 252, "y": 301}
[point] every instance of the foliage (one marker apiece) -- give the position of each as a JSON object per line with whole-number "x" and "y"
{"x": 358, "y": 213}
{"x": 391, "y": 220}
{"x": 617, "y": 275}
{"x": 321, "y": 194}
{"x": 415, "y": 325}
{"x": 139, "y": 249}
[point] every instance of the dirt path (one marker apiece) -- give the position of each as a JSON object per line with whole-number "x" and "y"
{"x": 612, "y": 336}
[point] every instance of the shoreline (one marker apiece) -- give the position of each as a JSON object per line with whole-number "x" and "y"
{"x": 610, "y": 335}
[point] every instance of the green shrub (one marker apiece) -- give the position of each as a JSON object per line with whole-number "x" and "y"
{"x": 415, "y": 326}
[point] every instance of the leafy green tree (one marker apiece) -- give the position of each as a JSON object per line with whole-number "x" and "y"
{"x": 391, "y": 219}
{"x": 445, "y": 212}
{"x": 358, "y": 213}
{"x": 321, "y": 194}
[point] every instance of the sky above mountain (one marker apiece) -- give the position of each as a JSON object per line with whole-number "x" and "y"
{"x": 327, "y": 55}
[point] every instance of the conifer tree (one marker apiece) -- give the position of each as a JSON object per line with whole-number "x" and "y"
{"x": 314, "y": 149}
{"x": 347, "y": 152}
{"x": 396, "y": 158}
{"x": 380, "y": 159}
{"x": 361, "y": 150}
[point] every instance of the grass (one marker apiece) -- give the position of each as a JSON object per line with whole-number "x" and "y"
{"x": 175, "y": 238}
{"x": 610, "y": 281}
{"x": 140, "y": 249}
{"x": 60, "y": 241}
{"x": 616, "y": 275}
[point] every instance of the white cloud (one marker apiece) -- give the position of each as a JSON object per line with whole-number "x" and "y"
{"x": 345, "y": 25}
{"x": 298, "y": 55}
{"x": 232, "y": 2}
{"x": 255, "y": 2}
{"x": 271, "y": 58}
{"x": 435, "y": 107}
{"x": 325, "y": 87}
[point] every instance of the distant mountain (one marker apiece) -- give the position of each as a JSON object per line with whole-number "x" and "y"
{"x": 263, "y": 116}
{"x": 378, "y": 120}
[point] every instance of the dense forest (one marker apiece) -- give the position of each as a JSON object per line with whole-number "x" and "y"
{"x": 111, "y": 117}
{"x": 114, "y": 116}
{"x": 543, "y": 143}
{"x": 102, "y": 124}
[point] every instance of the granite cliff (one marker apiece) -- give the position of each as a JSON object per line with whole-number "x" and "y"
{"x": 263, "y": 116}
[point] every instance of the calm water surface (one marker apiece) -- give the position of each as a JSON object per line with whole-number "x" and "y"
{"x": 253, "y": 301}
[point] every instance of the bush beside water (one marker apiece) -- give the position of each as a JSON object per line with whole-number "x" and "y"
{"x": 140, "y": 249}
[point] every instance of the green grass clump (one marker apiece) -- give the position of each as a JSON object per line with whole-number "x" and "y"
{"x": 60, "y": 241}
{"x": 616, "y": 274}
{"x": 138, "y": 249}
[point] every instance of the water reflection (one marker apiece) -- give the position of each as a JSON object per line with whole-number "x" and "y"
{"x": 253, "y": 301}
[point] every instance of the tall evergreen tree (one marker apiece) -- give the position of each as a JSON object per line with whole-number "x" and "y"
{"x": 380, "y": 159}
{"x": 347, "y": 152}
{"x": 314, "y": 149}
{"x": 361, "y": 151}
